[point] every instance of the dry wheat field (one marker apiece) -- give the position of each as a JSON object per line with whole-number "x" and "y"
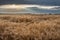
{"x": 29, "y": 27}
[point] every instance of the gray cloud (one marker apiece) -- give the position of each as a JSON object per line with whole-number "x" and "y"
{"x": 41, "y": 2}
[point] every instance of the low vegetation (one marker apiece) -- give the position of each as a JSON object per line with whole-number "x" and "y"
{"x": 29, "y": 27}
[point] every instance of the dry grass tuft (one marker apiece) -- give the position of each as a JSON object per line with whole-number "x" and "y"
{"x": 29, "y": 27}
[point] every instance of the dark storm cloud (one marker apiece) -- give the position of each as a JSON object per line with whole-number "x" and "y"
{"x": 41, "y": 2}
{"x": 12, "y": 1}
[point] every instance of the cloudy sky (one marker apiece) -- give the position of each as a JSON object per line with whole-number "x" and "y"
{"x": 40, "y": 2}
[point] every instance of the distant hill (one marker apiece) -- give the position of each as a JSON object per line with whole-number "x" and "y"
{"x": 40, "y": 2}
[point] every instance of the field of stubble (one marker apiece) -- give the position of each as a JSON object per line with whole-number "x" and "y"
{"x": 29, "y": 27}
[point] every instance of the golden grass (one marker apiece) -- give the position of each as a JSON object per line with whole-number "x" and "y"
{"x": 29, "y": 27}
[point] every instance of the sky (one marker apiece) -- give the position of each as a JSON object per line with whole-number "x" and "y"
{"x": 39, "y": 2}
